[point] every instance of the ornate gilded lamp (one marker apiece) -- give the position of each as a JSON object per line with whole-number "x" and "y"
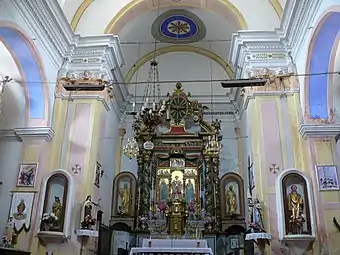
{"x": 213, "y": 146}
{"x": 131, "y": 149}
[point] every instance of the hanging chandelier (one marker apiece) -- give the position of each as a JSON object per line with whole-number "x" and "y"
{"x": 153, "y": 111}
{"x": 131, "y": 149}
{"x": 213, "y": 146}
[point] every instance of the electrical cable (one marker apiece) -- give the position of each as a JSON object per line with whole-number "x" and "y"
{"x": 187, "y": 81}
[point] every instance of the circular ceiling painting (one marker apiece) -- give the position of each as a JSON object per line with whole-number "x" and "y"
{"x": 178, "y": 26}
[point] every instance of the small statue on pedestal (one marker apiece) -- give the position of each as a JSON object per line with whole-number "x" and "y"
{"x": 125, "y": 196}
{"x": 7, "y": 238}
{"x": 88, "y": 220}
{"x": 231, "y": 201}
{"x": 295, "y": 210}
{"x": 57, "y": 210}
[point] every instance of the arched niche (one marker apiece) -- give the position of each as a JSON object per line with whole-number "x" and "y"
{"x": 293, "y": 184}
{"x": 57, "y": 193}
{"x": 232, "y": 180}
{"x": 124, "y": 195}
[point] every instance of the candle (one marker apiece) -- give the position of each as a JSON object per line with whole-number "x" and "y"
{"x": 196, "y": 233}
{"x": 154, "y": 106}
{"x": 133, "y": 107}
{"x": 167, "y": 114}
{"x": 214, "y": 196}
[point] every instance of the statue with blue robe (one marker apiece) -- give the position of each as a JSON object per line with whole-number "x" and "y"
{"x": 189, "y": 192}
{"x": 163, "y": 191}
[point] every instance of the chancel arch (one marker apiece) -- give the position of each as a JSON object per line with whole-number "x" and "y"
{"x": 321, "y": 59}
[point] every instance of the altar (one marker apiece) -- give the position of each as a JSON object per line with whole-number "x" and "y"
{"x": 172, "y": 246}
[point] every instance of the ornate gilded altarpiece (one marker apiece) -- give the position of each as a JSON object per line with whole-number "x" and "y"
{"x": 178, "y": 190}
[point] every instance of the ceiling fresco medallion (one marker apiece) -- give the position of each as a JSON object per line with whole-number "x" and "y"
{"x": 178, "y": 26}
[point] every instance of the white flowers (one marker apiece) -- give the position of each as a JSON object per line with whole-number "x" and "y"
{"x": 49, "y": 217}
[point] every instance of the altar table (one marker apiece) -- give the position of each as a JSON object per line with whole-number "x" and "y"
{"x": 173, "y": 247}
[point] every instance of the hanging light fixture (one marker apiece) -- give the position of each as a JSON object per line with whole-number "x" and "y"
{"x": 153, "y": 111}
{"x": 213, "y": 146}
{"x": 131, "y": 149}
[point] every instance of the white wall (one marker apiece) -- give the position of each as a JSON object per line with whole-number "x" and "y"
{"x": 181, "y": 66}
{"x": 301, "y": 57}
{"x": 108, "y": 160}
{"x": 13, "y": 115}
{"x": 14, "y": 109}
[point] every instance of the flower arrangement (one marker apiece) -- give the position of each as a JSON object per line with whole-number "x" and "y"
{"x": 254, "y": 226}
{"x": 48, "y": 220}
{"x": 7, "y": 241}
{"x": 162, "y": 206}
{"x": 192, "y": 206}
{"x": 88, "y": 222}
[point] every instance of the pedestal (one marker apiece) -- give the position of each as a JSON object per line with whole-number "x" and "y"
{"x": 298, "y": 244}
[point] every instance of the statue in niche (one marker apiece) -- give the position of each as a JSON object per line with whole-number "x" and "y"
{"x": 57, "y": 210}
{"x": 231, "y": 201}
{"x": 177, "y": 187}
{"x": 295, "y": 210}
{"x": 125, "y": 196}
{"x": 189, "y": 192}
{"x": 163, "y": 190}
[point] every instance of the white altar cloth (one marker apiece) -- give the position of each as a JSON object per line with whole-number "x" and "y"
{"x": 175, "y": 243}
{"x": 147, "y": 250}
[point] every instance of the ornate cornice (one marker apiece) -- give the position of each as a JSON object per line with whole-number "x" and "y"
{"x": 319, "y": 131}
{"x": 276, "y": 48}
{"x": 32, "y": 133}
{"x": 71, "y": 52}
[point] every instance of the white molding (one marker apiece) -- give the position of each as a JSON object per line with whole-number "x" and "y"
{"x": 245, "y": 45}
{"x": 279, "y": 201}
{"x": 49, "y": 24}
{"x": 75, "y": 97}
{"x": 250, "y": 96}
{"x": 319, "y": 130}
{"x": 33, "y": 133}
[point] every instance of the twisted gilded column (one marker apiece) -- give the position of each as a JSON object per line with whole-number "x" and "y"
{"x": 209, "y": 190}
{"x": 216, "y": 183}
{"x": 144, "y": 182}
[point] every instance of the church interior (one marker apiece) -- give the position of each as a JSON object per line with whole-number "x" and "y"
{"x": 151, "y": 127}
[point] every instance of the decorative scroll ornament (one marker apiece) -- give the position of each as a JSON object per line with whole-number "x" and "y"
{"x": 131, "y": 149}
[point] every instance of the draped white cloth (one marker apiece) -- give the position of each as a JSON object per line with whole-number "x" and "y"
{"x": 186, "y": 246}
{"x": 175, "y": 243}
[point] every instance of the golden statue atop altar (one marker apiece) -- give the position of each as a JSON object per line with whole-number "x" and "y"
{"x": 177, "y": 215}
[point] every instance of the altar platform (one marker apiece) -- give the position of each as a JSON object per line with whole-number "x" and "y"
{"x": 172, "y": 246}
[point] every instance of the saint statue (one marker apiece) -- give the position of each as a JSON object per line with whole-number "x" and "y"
{"x": 231, "y": 201}
{"x": 189, "y": 192}
{"x": 125, "y": 198}
{"x": 163, "y": 187}
{"x": 257, "y": 214}
{"x": 295, "y": 204}
{"x": 57, "y": 209}
{"x": 176, "y": 187}
{"x": 87, "y": 217}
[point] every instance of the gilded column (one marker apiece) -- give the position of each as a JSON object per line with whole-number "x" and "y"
{"x": 216, "y": 182}
{"x": 209, "y": 189}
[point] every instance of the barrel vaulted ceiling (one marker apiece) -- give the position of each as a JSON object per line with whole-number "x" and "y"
{"x": 193, "y": 36}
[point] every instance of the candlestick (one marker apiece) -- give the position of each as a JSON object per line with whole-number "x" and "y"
{"x": 133, "y": 107}
{"x": 138, "y": 199}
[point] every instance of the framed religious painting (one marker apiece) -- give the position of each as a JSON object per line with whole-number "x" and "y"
{"x": 27, "y": 175}
{"x": 327, "y": 176}
{"x": 98, "y": 174}
{"x": 21, "y": 210}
